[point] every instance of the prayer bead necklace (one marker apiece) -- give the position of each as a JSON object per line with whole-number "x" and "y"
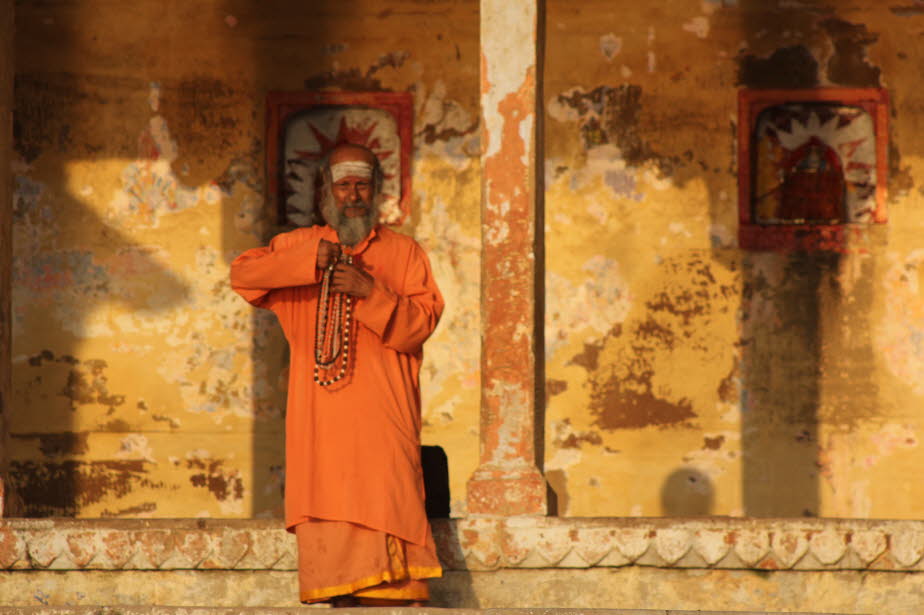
{"x": 332, "y": 329}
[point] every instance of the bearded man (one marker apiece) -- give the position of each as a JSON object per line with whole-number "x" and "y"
{"x": 356, "y": 301}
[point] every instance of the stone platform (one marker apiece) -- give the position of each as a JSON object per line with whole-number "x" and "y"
{"x": 727, "y": 565}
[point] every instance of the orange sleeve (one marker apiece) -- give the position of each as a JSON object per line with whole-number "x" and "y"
{"x": 290, "y": 260}
{"x": 404, "y": 321}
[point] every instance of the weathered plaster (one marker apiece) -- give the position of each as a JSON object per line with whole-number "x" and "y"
{"x": 683, "y": 374}
{"x": 507, "y": 480}
{"x": 773, "y": 565}
{"x": 144, "y": 386}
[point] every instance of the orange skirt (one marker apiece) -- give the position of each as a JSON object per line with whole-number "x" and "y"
{"x": 337, "y": 558}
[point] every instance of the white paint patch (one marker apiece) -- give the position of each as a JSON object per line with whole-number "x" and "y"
{"x": 721, "y": 237}
{"x": 698, "y": 26}
{"x": 625, "y": 71}
{"x": 508, "y": 35}
{"x": 610, "y": 46}
{"x": 900, "y": 334}
{"x": 606, "y": 163}
{"x": 652, "y": 61}
{"x": 526, "y": 134}
{"x": 154, "y": 96}
{"x": 160, "y": 134}
{"x": 452, "y": 353}
{"x": 599, "y": 212}
{"x": 497, "y": 234}
{"x": 135, "y": 446}
{"x": 678, "y": 228}
{"x": 592, "y": 306}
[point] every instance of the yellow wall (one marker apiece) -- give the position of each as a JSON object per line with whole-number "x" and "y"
{"x": 684, "y": 375}
{"x": 687, "y": 376}
{"x": 143, "y": 386}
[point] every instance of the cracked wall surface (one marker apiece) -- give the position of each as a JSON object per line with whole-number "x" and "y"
{"x": 143, "y": 386}
{"x": 686, "y": 376}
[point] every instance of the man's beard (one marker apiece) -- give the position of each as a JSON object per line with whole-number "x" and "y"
{"x": 350, "y": 230}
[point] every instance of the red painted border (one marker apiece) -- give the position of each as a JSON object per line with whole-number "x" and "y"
{"x": 281, "y": 105}
{"x": 755, "y": 236}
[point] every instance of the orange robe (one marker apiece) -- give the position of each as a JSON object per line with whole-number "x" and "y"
{"x": 353, "y": 449}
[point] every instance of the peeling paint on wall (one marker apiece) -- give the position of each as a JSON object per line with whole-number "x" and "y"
{"x": 139, "y": 178}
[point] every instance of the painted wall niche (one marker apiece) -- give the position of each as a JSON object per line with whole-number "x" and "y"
{"x": 302, "y": 127}
{"x": 812, "y": 167}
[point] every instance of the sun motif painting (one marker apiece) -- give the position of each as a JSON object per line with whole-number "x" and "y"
{"x": 302, "y": 127}
{"x": 812, "y": 165}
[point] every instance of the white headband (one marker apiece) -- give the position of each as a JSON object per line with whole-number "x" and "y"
{"x": 351, "y": 168}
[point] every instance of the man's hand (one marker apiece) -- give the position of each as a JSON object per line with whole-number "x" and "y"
{"x": 351, "y": 280}
{"x": 328, "y": 253}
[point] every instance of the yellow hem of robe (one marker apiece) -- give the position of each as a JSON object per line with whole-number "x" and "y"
{"x": 368, "y": 583}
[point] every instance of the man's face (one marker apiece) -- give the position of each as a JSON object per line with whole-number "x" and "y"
{"x": 353, "y": 196}
{"x": 348, "y": 202}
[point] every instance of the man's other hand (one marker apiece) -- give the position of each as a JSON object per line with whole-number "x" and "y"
{"x": 351, "y": 280}
{"x": 328, "y": 253}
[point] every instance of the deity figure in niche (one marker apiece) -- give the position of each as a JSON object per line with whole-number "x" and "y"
{"x": 813, "y": 185}
{"x": 815, "y": 163}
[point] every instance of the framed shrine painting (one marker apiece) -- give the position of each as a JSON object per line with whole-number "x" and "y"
{"x": 302, "y": 127}
{"x": 812, "y": 166}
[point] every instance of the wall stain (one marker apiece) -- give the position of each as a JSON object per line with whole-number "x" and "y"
{"x": 220, "y": 483}
{"x": 849, "y": 66}
{"x": 728, "y": 388}
{"x": 565, "y": 437}
{"x": 623, "y": 395}
{"x": 50, "y": 107}
{"x": 713, "y": 444}
{"x": 431, "y": 133}
{"x": 354, "y": 78}
{"x": 908, "y": 10}
{"x": 611, "y": 115}
{"x": 65, "y": 488}
{"x": 243, "y": 169}
{"x": 117, "y": 426}
{"x": 787, "y": 67}
{"x": 144, "y": 507}
{"x": 589, "y": 359}
{"x": 652, "y": 331}
{"x": 87, "y": 384}
{"x": 58, "y": 444}
{"x": 618, "y": 404}
{"x": 555, "y": 387}
{"x": 86, "y": 380}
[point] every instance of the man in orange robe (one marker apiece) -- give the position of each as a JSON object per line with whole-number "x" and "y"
{"x": 354, "y": 486}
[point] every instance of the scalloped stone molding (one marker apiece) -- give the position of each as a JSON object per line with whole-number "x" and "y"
{"x": 478, "y": 543}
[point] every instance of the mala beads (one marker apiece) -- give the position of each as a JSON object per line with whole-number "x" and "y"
{"x": 332, "y": 329}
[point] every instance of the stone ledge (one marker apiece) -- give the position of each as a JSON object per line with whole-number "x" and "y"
{"x": 485, "y": 543}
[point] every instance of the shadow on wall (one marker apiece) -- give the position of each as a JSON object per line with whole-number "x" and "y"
{"x": 60, "y": 276}
{"x": 687, "y": 492}
{"x": 795, "y": 309}
{"x": 69, "y": 264}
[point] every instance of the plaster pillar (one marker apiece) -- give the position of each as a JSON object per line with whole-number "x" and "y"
{"x": 508, "y": 480}
{"x": 6, "y": 221}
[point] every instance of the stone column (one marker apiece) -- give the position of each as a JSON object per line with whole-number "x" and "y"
{"x": 508, "y": 480}
{"x": 6, "y": 221}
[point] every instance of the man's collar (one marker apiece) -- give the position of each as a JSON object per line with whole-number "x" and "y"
{"x": 331, "y": 235}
